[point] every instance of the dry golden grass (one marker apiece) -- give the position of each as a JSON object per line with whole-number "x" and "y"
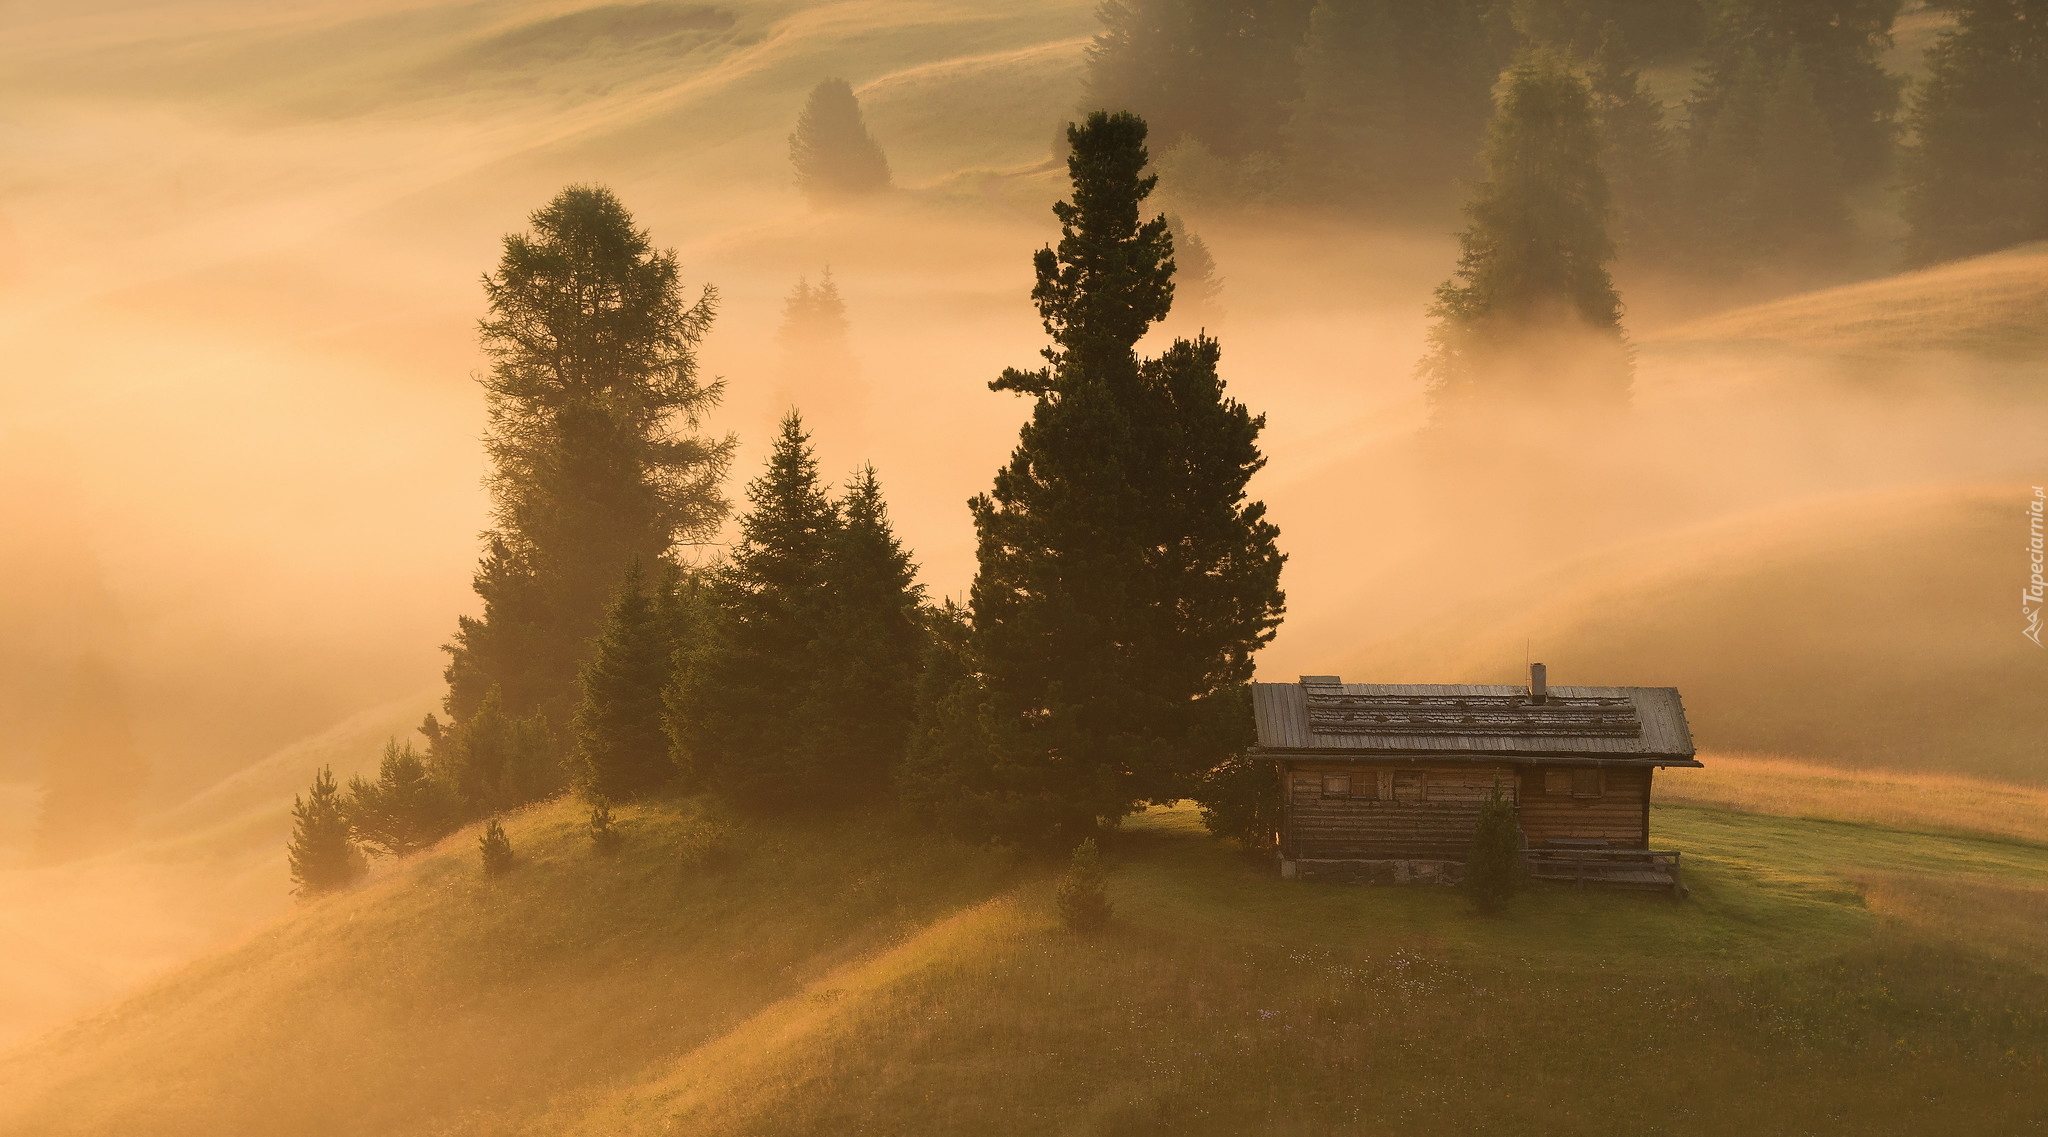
{"x": 1896, "y": 799}
{"x": 2004, "y": 919}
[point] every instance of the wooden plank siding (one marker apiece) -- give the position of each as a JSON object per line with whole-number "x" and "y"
{"x": 1410, "y": 812}
{"x": 1618, "y": 816}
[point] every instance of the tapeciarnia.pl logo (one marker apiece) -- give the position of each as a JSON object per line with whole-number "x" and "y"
{"x": 2036, "y": 592}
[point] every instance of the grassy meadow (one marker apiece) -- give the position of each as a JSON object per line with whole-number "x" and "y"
{"x": 721, "y": 975}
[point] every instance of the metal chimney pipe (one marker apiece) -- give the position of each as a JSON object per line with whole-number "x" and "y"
{"x": 1539, "y": 684}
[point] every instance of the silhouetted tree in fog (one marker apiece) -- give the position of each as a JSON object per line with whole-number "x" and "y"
{"x": 835, "y": 156}
{"x": 1531, "y": 312}
{"x": 1220, "y": 72}
{"x": 1124, "y": 578}
{"x": 1768, "y": 187}
{"x": 622, "y": 746}
{"x": 321, "y": 855}
{"x": 593, "y": 392}
{"x": 1977, "y": 176}
{"x": 93, "y": 777}
{"x": 495, "y": 762}
{"x": 405, "y": 809}
{"x": 818, "y": 369}
{"x": 1197, "y": 291}
{"x": 1635, "y": 149}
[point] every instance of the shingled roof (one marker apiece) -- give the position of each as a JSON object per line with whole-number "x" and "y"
{"x": 1323, "y": 716}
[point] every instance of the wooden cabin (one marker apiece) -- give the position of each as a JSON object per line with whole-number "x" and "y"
{"x": 1384, "y": 781}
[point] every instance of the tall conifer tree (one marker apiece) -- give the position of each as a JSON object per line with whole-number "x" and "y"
{"x": 734, "y": 711}
{"x": 1124, "y": 578}
{"x": 1532, "y": 312}
{"x": 321, "y": 855}
{"x": 1635, "y": 148}
{"x": 836, "y": 159}
{"x": 1977, "y": 176}
{"x": 593, "y": 393}
{"x": 622, "y": 748}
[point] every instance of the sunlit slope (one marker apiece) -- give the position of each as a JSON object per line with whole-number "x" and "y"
{"x": 1995, "y": 305}
{"x": 1876, "y": 629}
{"x": 822, "y": 978}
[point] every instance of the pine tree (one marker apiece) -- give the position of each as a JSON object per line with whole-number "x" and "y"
{"x": 1802, "y": 205}
{"x": 93, "y": 774}
{"x": 818, "y": 370}
{"x": 1197, "y": 290}
{"x": 1124, "y": 580}
{"x": 404, "y": 810}
{"x": 1493, "y": 867}
{"x": 1635, "y": 149}
{"x": 1724, "y": 174}
{"x": 1221, "y": 72}
{"x": 1532, "y": 313}
{"x": 733, "y": 711}
{"x": 321, "y": 856}
{"x": 865, "y": 650}
{"x": 1661, "y": 30}
{"x": 1840, "y": 43}
{"x": 1083, "y": 897}
{"x": 836, "y": 158}
{"x": 495, "y": 848}
{"x": 1977, "y": 174}
{"x": 622, "y": 748}
{"x": 948, "y": 764}
{"x": 494, "y": 762}
{"x": 1394, "y": 101}
{"x": 592, "y": 392}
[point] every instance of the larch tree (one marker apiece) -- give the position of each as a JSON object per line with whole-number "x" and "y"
{"x": 836, "y": 159}
{"x": 1531, "y": 314}
{"x": 734, "y": 710}
{"x": 321, "y": 855}
{"x": 622, "y": 747}
{"x": 1977, "y": 173}
{"x": 593, "y": 400}
{"x": 1124, "y": 577}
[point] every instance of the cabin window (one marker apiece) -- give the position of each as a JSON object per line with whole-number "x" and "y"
{"x": 1408, "y": 787}
{"x": 1366, "y": 785}
{"x": 1557, "y": 782}
{"x": 1336, "y": 785}
{"x": 1585, "y": 783}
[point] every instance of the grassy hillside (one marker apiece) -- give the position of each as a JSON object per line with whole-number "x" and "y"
{"x": 822, "y": 977}
{"x": 1875, "y": 629}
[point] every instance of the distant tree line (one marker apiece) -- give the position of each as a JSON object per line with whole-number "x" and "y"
{"x": 1125, "y": 576}
{"x": 1379, "y": 108}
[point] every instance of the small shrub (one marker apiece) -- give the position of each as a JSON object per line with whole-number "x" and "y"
{"x": 496, "y": 847}
{"x": 603, "y": 833}
{"x": 1083, "y": 897}
{"x": 1493, "y": 870}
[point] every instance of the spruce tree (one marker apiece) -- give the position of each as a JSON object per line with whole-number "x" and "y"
{"x": 1977, "y": 174}
{"x": 1197, "y": 290}
{"x": 321, "y": 856}
{"x": 1083, "y": 896}
{"x": 495, "y": 848}
{"x": 1724, "y": 175}
{"x": 1532, "y": 313}
{"x": 1220, "y": 72}
{"x": 733, "y": 713}
{"x": 622, "y": 747}
{"x": 947, "y": 773}
{"x": 494, "y": 762}
{"x": 836, "y": 159}
{"x": 592, "y": 394}
{"x": 1124, "y": 579}
{"x": 865, "y": 650}
{"x": 405, "y": 809}
{"x": 1635, "y": 149}
{"x": 1802, "y": 207}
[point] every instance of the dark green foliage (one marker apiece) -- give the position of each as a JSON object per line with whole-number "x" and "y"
{"x": 1493, "y": 869}
{"x": 948, "y": 762}
{"x": 1240, "y": 802}
{"x": 1635, "y": 150}
{"x": 1218, "y": 71}
{"x": 405, "y": 809}
{"x": 496, "y": 762}
{"x": 604, "y": 834}
{"x": 1124, "y": 578}
{"x": 495, "y": 847}
{"x": 1532, "y": 313}
{"x": 593, "y": 385}
{"x": 1838, "y": 42}
{"x": 1083, "y": 897}
{"x": 621, "y": 742}
{"x": 1394, "y": 98}
{"x": 1768, "y": 185}
{"x": 1977, "y": 175}
{"x": 321, "y": 856}
{"x": 864, "y": 650}
{"x": 835, "y": 156}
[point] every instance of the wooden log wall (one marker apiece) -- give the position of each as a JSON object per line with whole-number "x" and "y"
{"x": 1619, "y": 815}
{"x": 1405, "y": 813}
